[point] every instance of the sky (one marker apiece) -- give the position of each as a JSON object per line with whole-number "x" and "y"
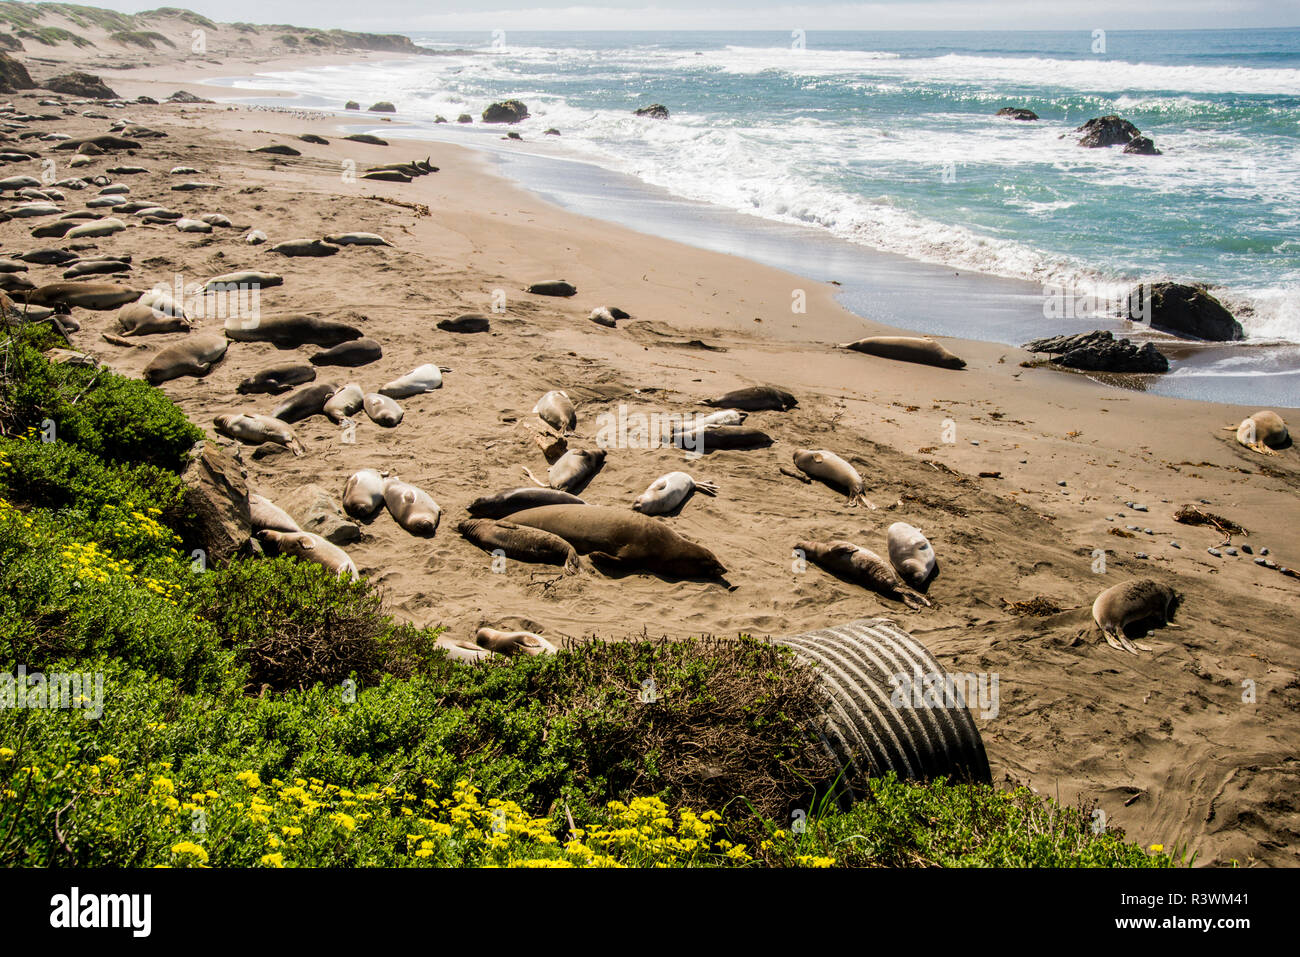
{"x": 416, "y": 15}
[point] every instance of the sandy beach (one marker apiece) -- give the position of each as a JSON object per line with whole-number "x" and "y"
{"x": 1172, "y": 745}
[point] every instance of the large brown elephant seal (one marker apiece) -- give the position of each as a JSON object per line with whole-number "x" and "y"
{"x": 193, "y": 356}
{"x": 305, "y": 247}
{"x": 624, "y": 539}
{"x": 911, "y": 554}
{"x": 1132, "y": 601}
{"x": 363, "y": 494}
{"x": 863, "y": 567}
{"x": 830, "y": 468}
{"x": 553, "y": 287}
{"x": 1262, "y": 432}
{"x": 513, "y": 642}
{"x": 141, "y": 319}
{"x": 357, "y": 352}
{"x": 669, "y": 492}
{"x": 305, "y": 402}
{"x": 755, "y": 398}
{"x": 514, "y": 500}
{"x": 290, "y": 331}
{"x": 263, "y": 513}
{"x": 413, "y": 509}
{"x": 310, "y": 547}
{"x": 712, "y": 438}
{"x": 257, "y": 429}
{"x": 519, "y": 542}
{"x": 419, "y": 380}
{"x": 277, "y": 379}
{"x": 907, "y": 349}
{"x": 470, "y": 322}
{"x": 382, "y": 410}
{"x": 556, "y": 410}
{"x": 573, "y": 470}
{"x": 82, "y": 295}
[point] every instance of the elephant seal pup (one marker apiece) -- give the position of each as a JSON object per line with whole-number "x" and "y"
{"x": 346, "y": 402}
{"x": 277, "y": 379}
{"x": 257, "y": 429}
{"x": 829, "y": 467}
{"x": 907, "y": 349}
{"x": 263, "y": 513}
{"x": 290, "y": 331}
{"x": 304, "y": 247}
{"x": 724, "y": 417}
{"x": 423, "y": 379}
{"x": 305, "y": 402}
{"x": 911, "y": 554}
{"x": 363, "y": 494}
{"x": 357, "y": 239}
{"x": 668, "y": 492}
{"x": 711, "y": 438}
{"x": 1262, "y": 432}
{"x": 553, "y": 287}
{"x": 83, "y": 295}
{"x": 382, "y": 410}
{"x": 863, "y": 567}
{"x": 411, "y": 508}
{"x": 573, "y": 470}
{"x": 755, "y": 398}
{"x": 471, "y": 322}
{"x": 624, "y": 539}
{"x": 557, "y": 411}
{"x": 357, "y": 352}
{"x": 513, "y": 642}
{"x": 142, "y": 319}
{"x": 517, "y": 499}
{"x": 1134, "y": 600}
{"x": 308, "y": 546}
{"x": 247, "y": 278}
{"x": 194, "y": 356}
{"x": 519, "y": 542}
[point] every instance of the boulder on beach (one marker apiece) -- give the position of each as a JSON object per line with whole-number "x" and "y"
{"x": 80, "y": 84}
{"x": 216, "y": 499}
{"x": 440, "y": 118}
{"x": 351, "y": 105}
{"x": 1100, "y": 351}
{"x": 383, "y": 106}
{"x": 464, "y": 118}
{"x": 185, "y": 96}
{"x": 656, "y": 111}
{"x": 551, "y": 132}
{"x": 507, "y": 111}
{"x": 1017, "y": 113}
{"x": 13, "y": 75}
{"x": 146, "y": 100}
{"x": 1185, "y": 310}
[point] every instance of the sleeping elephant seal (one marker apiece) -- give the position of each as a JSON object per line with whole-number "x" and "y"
{"x": 830, "y": 468}
{"x": 257, "y": 429}
{"x": 513, "y": 642}
{"x": 357, "y": 352}
{"x": 357, "y": 239}
{"x": 194, "y": 356}
{"x": 244, "y": 279}
{"x": 711, "y": 438}
{"x": 142, "y": 319}
{"x": 363, "y": 494}
{"x": 347, "y": 401}
{"x": 670, "y": 491}
{"x": 1129, "y": 602}
{"x": 556, "y": 410}
{"x": 863, "y": 567}
{"x": 83, "y": 295}
{"x": 467, "y": 323}
{"x": 622, "y": 538}
{"x": 305, "y": 247}
{"x": 263, "y": 513}
{"x": 305, "y": 402}
{"x": 310, "y": 547}
{"x": 462, "y": 651}
{"x": 911, "y": 554}
{"x": 755, "y": 398}
{"x": 1262, "y": 432}
{"x": 411, "y": 508}
{"x": 907, "y": 349}
{"x": 419, "y": 380}
{"x": 290, "y": 331}
{"x": 553, "y": 287}
{"x": 519, "y": 542}
{"x": 573, "y": 470}
{"x": 277, "y": 379}
{"x": 382, "y": 410}
{"x": 517, "y": 499}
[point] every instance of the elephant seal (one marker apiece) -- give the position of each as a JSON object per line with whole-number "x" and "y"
{"x": 711, "y": 438}
{"x": 192, "y": 226}
{"x": 907, "y": 349}
{"x": 608, "y": 316}
{"x": 471, "y": 322}
{"x": 308, "y": 546}
{"x": 346, "y": 402}
{"x": 553, "y": 287}
{"x": 623, "y": 539}
{"x": 357, "y": 239}
{"x": 142, "y": 319}
{"x": 411, "y": 508}
{"x": 557, "y": 411}
{"x": 830, "y": 468}
{"x": 95, "y": 229}
{"x": 462, "y": 651}
{"x": 724, "y": 417}
{"x": 1262, "y": 432}
{"x": 519, "y": 542}
{"x": 513, "y": 642}
{"x": 82, "y": 295}
{"x": 668, "y": 492}
{"x": 863, "y": 567}
{"x": 216, "y": 219}
{"x": 1132, "y": 601}
{"x": 423, "y": 379}
{"x": 517, "y": 499}
{"x": 356, "y": 352}
{"x": 248, "y": 279}
{"x": 290, "y": 331}
{"x": 573, "y": 470}
{"x": 263, "y": 513}
{"x": 911, "y": 554}
{"x": 755, "y": 398}
{"x": 257, "y": 429}
{"x": 304, "y": 247}
{"x": 363, "y": 494}
{"x": 99, "y": 267}
{"x": 194, "y": 356}
{"x": 305, "y": 402}
{"x": 382, "y": 410}
{"x": 277, "y": 379}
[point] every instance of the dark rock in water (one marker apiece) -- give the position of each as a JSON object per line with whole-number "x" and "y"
{"x": 80, "y": 84}
{"x": 313, "y": 138}
{"x": 1142, "y": 146}
{"x": 278, "y": 149}
{"x": 656, "y": 111}
{"x": 1184, "y": 310}
{"x": 551, "y": 132}
{"x": 351, "y": 105}
{"x": 464, "y": 118}
{"x": 1017, "y": 113}
{"x": 13, "y": 75}
{"x": 507, "y": 111}
{"x": 185, "y": 96}
{"x": 216, "y": 495}
{"x": 512, "y": 135}
{"x": 366, "y": 138}
{"x": 1107, "y": 131}
{"x": 440, "y": 119}
{"x": 383, "y": 106}
{"x": 1100, "y": 351}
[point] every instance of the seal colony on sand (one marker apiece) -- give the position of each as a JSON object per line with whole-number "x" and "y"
{"x": 1129, "y": 602}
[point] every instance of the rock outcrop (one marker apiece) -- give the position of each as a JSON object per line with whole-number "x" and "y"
{"x": 507, "y": 111}
{"x": 383, "y": 106}
{"x": 1113, "y": 130}
{"x": 80, "y": 84}
{"x": 1185, "y": 310}
{"x": 216, "y": 502}
{"x": 13, "y": 75}
{"x": 1017, "y": 113}
{"x": 656, "y": 111}
{"x": 1100, "y": 351}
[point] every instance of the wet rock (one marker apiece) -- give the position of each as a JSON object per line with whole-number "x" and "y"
{"x": 656, "y": 111}
{"x": 1017, "y": 113}
{"x": 1185, "y": 310}
{"x": 507, "y": 111}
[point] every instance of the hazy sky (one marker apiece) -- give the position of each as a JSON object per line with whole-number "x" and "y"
{"x": 409, "y": 15}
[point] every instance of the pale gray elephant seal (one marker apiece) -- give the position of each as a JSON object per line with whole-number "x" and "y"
{"x": 363, "y": 494}
{"x": 513, "y": 642}
{"x": 346, "y": 402}
{"x": 305, "y": 402}
{"x": 573, "y": 470}
{"x": 471, "y": 322}
{"x": 193, "y": 356}
{"x": 290, "y": 331}
{"x": 382, "y": 410}
{"x": 358, "y": 352}
{"x": 519, "y": 542}
{"x": 419, "y": 380}
{"x": 1262, "y": 432}
{"x": 517, "y": 499}
{"x": 669, "y": 492}
{"x": 553, "y": 287}
{"x": 304, "y": 247}
{"x": 863, "y": 567}
{"x": 557, "y": 411}
{"x": 623, "y": 539}
{"x": 462, "y": 651}
{"x": 142, "y": 319}
{"x": 830, "y": 468}
{"x": 907, "y": 349}
{"x": 257, "y": 429}
{"x": 277, "y": 379}
{"x": 357, "y": 239}
{"x": 413, "y": 509}
{"x": 755, "y": 398}
{"x": 310, "y": 547}
{"x": 1132, "y": 601}
{"x": 246, "y": 278}
{"x": 911, "y": 554}
{"x": 263, "y": 513}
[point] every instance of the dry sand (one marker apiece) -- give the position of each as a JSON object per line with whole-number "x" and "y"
{"x": 1164, "y": 742}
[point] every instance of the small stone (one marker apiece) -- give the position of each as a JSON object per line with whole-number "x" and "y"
{"x": 1230, "y": 551}
{"x": 1140, "y": 555}
{"x": 1247, "y": 549}
{"x": 1109, "y": 518}
{"x": 1174, "y": 545}
{"x": 1262, "y": 561}
{"x": 1062, "y": 482}
{"x": 1215, "y": 552}
{"x": 1132, "y": 528}
{"x": 1263, "y": 551}
{"x": 1147, "y": 531}
{"x": 1140, "y": 508}
{"x": 974, "y": 442}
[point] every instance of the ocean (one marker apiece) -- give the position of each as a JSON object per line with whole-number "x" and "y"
{"x": 867, "y": 148}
